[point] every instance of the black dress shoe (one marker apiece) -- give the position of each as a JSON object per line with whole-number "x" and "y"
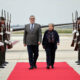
{"x": 77, "y": 62}
{"x": 31, "y": 67}
{"x": 52, "y": 66}
{"x": 2, "y": 67}
{"x": 35, "y": 66}
{"x": 6, "y": 62}
{"x": 48, "y": 67}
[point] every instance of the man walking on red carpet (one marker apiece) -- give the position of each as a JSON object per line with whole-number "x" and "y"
{"x": 32, "y": 39}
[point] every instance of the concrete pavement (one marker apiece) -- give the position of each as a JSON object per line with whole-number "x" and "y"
{"x": 64, "y": 53}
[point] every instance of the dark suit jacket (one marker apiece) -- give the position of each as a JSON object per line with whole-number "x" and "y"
{"x": 32, "y": 37}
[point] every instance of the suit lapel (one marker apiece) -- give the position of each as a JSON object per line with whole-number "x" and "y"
{"x": 33, "y": 29}
{"x": 29, "y": 27}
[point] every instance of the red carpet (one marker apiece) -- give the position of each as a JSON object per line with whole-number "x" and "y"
{"x": 62, "y": 71}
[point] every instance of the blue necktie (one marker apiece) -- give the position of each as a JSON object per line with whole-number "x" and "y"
{"x": 31, "y": 27}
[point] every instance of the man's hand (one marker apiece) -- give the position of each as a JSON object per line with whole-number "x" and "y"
{"x": 25, "y": 45}
{"x": 39, "y": 43}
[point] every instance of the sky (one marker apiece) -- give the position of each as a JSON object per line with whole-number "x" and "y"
{"x": 45, "y": 11}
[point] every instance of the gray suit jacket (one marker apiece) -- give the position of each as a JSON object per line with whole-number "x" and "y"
{"x": 32, "y": 37}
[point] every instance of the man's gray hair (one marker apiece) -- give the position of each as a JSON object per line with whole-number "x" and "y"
{"x": 32, "y": 16}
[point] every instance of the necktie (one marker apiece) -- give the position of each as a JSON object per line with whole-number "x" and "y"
{"x": 32, "y": 27}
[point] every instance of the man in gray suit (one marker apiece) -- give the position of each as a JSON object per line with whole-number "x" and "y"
{"x": 32, "y": 39}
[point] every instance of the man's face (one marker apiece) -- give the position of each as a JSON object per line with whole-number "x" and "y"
{"x": 32, "y": 20}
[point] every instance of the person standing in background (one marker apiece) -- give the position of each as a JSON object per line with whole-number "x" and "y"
{"x": 3, "y": 51}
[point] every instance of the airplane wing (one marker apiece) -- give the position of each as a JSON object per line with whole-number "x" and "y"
{"x": 43, "y": 26}
{"x": 57, "y": 25}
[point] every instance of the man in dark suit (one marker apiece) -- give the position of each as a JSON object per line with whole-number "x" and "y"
{"x": 32, "y": 38}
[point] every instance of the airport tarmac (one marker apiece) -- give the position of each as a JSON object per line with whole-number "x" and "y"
{"x": 64, "y": 53}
